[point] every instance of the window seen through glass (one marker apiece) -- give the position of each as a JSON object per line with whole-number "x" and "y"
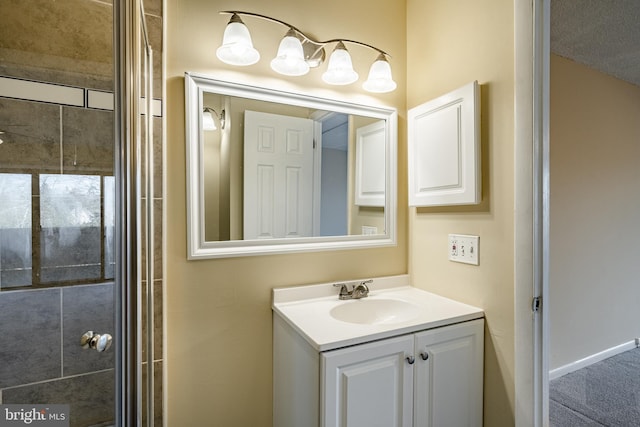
{"x": 74, "y": 237}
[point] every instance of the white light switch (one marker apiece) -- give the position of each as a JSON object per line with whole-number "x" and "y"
{"x": 464, "y": 248}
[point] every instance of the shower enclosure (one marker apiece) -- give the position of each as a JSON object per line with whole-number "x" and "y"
{"x": 80, "y": 206}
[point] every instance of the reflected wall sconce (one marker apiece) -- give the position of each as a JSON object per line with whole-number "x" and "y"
{"x": 298, "y": 53}
{"x": 208, "y": 123}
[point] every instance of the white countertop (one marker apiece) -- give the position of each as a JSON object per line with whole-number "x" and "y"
{"x": 307, "y": 308}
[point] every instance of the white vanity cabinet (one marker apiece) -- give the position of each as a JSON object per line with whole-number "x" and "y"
{"x": 368, "y": 384}
{"x": 427, "y": 379}
{"x": 432, "y": 378}
{"x": 449, "y": 376}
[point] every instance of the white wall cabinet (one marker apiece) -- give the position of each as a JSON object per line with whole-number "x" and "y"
{"x": 444, "y": 149}
{"x": 370, "y": 161}
{"x": 429, "y": 378}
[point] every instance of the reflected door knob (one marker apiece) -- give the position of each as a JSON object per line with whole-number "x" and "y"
{"x": 98, "y": 342}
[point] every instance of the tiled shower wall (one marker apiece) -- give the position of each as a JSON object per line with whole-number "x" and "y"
{"x": 41, "y": 359}
{"x": 67, "y": 43}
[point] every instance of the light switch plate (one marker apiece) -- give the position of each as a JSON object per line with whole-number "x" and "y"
{"x": 464, "y": 248}
{"x": 369, "y": 230}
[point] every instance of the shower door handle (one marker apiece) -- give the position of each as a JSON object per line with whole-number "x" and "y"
{"x": 98, "y": 342}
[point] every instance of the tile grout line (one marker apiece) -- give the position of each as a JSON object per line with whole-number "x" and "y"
{"x": 50, "y": 380}
{"x": 61, "y": 336}
{"x": 24, "y": 92}
{"x": 61, "y": 144}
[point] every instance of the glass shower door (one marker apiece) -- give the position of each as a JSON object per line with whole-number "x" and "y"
{"x": 57, "y": 214}
{"x": 62, "y": 287}
{"x": 56, "y": 286}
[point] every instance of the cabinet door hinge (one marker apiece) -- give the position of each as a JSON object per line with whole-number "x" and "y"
{"x": 536, "y": 304}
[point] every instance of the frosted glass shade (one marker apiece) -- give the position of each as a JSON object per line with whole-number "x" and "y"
{"x": 237, "y": 47}
{"x": 340, "y": 70}
{"x": 207, "y": 121}
{"x": 380, "y": 79}
{"x": 290, "y": 58}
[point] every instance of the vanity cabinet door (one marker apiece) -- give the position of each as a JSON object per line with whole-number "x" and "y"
{"x": 368, "y": 385}
{"x": 449, "y": 376}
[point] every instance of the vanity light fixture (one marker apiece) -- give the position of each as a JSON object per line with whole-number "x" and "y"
{"x": 298, "y": 53}
{"x": 290, "y": 58}
{"x": 379, "y": 79}
{"x": 237, "y": 47}
{"x": 340, "y": 70}
{"x": 208, "y": 123}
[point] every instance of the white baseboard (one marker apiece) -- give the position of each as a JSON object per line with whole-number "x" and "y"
{"x": 590, "y": 360}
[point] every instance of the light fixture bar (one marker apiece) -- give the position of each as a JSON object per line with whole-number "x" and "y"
{"x": 302, "y": 34}
{"x": 298, "y": 52}
{"x": 358, "y": 43}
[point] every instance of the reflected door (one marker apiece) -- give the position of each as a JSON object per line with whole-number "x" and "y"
{"x": 278, "y": 176}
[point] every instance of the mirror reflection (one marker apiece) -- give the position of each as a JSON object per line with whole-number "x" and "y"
{"x": 272, "y": 168}
{"x": 279, "y": 171}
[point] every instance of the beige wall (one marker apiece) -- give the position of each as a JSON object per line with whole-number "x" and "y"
{"x": 450, "y": 44}
{"x": 218, "y": 317}
{"x": 595, "y": 205}
{"x": 218, "y": 311}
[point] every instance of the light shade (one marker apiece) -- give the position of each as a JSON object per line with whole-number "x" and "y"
{"x": 380, "y": 79}
{"x": 340, "y": 70}
{"x": 207, "y": 121}
{"x": 290, "y": 58}
{"x": 237, "y": 47}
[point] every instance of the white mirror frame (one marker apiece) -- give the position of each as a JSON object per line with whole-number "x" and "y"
{"x": 198, "y": 248}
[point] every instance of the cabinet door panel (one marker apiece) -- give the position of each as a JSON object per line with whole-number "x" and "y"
{"x": 449, "y": 382}
{"x": 368, "y": 385}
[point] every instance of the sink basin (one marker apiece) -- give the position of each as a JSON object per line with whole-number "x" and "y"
{"x": 375, "y": 311}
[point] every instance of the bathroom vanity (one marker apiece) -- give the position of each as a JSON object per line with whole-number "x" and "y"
{"x": 401, "y": 357}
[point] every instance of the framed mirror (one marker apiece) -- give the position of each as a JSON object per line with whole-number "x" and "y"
{"x": 273, "y": 172}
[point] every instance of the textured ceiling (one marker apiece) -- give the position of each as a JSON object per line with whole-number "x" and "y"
{"x": 601, "y": 34}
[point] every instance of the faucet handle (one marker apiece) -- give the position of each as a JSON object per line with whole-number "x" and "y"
{"x": 342, "y": 286}
{"x": 344, "y": 290}
{"x": 366, "y": 282}
{"x": 361, "y": 290}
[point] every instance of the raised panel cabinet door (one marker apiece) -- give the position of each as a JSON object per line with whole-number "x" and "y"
{"x": 449, "y": 376}
{"x": 444, "y": 149}
{"x": 370, "y": 161}
{"x": 368, "y": 385}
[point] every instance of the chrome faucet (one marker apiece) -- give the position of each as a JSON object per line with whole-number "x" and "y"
{"x": 359, "y": 290}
